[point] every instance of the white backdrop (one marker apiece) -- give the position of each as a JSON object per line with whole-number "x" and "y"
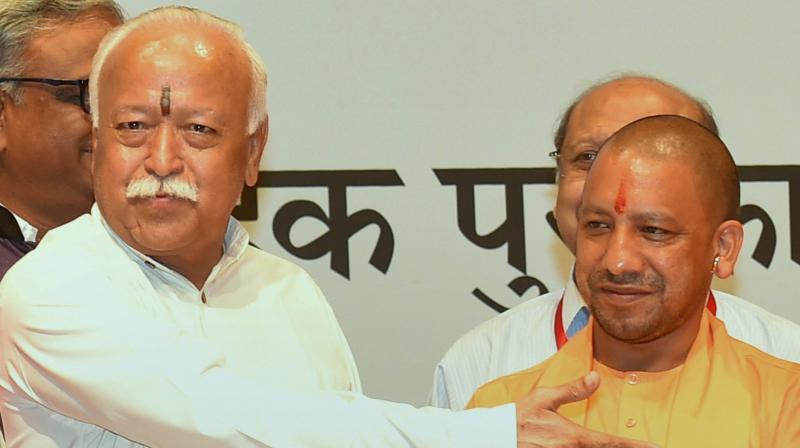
{"x": 415, "y": 86}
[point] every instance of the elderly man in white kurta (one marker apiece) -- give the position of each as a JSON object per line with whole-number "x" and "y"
{"x": 151, "y": 321}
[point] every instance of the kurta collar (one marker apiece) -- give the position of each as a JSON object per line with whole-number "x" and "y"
{"x": 233, "y": 247}
{"x": 573, "y": 301}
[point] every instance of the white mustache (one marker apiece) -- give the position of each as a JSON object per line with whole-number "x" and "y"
{"x": 150, "y": 186}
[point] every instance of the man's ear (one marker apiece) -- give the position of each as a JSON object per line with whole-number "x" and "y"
{"x": 729, "y": 238}
{"x": 256, "y": 143}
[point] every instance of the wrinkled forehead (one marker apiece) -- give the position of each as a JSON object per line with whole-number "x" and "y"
{"x": 609, "y": 108}
{"x": 189, "y": 51}
{"x": 183, "y": 60}
{"x": 643, "y": 181}
{"x": 621, "y": 163}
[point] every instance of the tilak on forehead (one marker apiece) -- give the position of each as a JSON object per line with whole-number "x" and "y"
{"x": 622, "y": 199}
{"x": 166, "y": 101}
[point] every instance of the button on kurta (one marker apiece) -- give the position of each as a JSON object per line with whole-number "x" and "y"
{"x": 633, "y": 379}
{"x": 630, "y": 422}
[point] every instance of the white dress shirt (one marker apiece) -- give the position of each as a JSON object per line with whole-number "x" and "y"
{"x": 525, "y": 336}
{"x": 103, "y": 346}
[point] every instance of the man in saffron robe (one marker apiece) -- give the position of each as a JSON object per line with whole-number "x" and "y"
{"x": 658, "y": 219}
{"x": 535, "y": 329}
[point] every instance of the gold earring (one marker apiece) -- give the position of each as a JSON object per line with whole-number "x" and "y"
{"x": 716, "y": 263}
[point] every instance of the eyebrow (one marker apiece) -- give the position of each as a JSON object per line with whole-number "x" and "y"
{"x": 589, "y": 140}
{"x": 653, "y": 217}
{"x": 583, "y": 209}
{"x": 637, "y": 216}
{"x": 139, "y": 109}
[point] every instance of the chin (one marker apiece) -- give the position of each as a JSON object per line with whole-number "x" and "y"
{"x": 160, "y": 240}
{"x": 634, "y": 330}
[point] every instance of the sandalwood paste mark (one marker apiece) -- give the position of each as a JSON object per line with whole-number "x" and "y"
{"x": 166, "y": 101}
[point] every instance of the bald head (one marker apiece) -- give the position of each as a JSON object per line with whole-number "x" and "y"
{"x": 647, "y": 92}
{"x": 657, "y": 220}
{"x": 162, "y": 35}
{"x": 678, "y": 139}
{"x": 594, "y": 117}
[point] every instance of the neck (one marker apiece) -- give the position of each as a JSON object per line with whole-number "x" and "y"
{"x": 43, "y": 214}
{"x": 195, "y": 266}
{"x": 662, "y": 353}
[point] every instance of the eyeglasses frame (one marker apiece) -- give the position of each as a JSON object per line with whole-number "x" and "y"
{"x": 83, "y": 87}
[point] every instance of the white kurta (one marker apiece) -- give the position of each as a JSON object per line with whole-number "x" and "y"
{"x": 103, "y": 346}
{"x": 524, "y": 336}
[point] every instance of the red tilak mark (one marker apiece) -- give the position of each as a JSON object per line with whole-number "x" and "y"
{"x": 619, "y": 204}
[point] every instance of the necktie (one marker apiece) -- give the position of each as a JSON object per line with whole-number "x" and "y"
{"x": 580, "y": 321}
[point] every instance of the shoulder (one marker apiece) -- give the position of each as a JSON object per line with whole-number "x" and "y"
{"x": 276, "y": 281}
{"x": 523, "y": 322}
{"x": 756, "y": 326}
{"x": 71, "y": 277}
{"x": 66, "y": 255}
{"x": 760, "y": 366}
{"x": 509, "y": 388}
{"x": 774, "y": 382}
{"x": 764, "y": 363}
{"x": 271, "y": 270}
{"x": 81, "y": 241}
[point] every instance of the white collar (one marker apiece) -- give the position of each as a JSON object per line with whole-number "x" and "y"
{"x": 573, "y": 301}
{"x": 29, "y": 232}
{"x": 233, "y": 246}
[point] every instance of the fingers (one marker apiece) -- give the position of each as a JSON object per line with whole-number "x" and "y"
{"x": 577, "y": 390}
{"x": 538, "y": 424}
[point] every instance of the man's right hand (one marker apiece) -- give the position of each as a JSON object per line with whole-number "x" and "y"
{"x": 539, "y": 425}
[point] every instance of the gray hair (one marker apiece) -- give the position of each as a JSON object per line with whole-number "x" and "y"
{"x": 21, "y": 19}
{"x": 177, "y": 15}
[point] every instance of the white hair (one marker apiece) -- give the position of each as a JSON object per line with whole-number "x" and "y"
{"x": 151, "y": 185}
{"x": 171, "y": 16}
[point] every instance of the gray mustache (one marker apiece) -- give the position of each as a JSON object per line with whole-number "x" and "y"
{"x": 149, "y": 186}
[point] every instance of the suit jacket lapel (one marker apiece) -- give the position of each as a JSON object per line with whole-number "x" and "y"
{"x": 9, "y": 229}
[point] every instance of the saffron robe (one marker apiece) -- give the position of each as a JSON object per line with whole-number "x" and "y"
{"x": 727, "y": 394}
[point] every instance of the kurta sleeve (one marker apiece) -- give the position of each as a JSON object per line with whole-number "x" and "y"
{"x": 70, "y": 344}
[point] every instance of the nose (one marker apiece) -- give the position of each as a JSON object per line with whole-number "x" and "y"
{"x": 164, "y": 158}
{"x": 622, "y": 252}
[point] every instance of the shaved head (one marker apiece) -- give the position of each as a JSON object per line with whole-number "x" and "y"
{"x": 658, "y": 219}
{"x": 679, "y": 139}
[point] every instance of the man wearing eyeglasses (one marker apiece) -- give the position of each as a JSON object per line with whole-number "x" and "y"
{"x": 46, "y": 49}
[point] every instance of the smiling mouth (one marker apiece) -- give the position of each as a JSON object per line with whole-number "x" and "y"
{"x": 622, "y": 293}
{"x": 162, "y": 195}
{"x": 157, "y": 197}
